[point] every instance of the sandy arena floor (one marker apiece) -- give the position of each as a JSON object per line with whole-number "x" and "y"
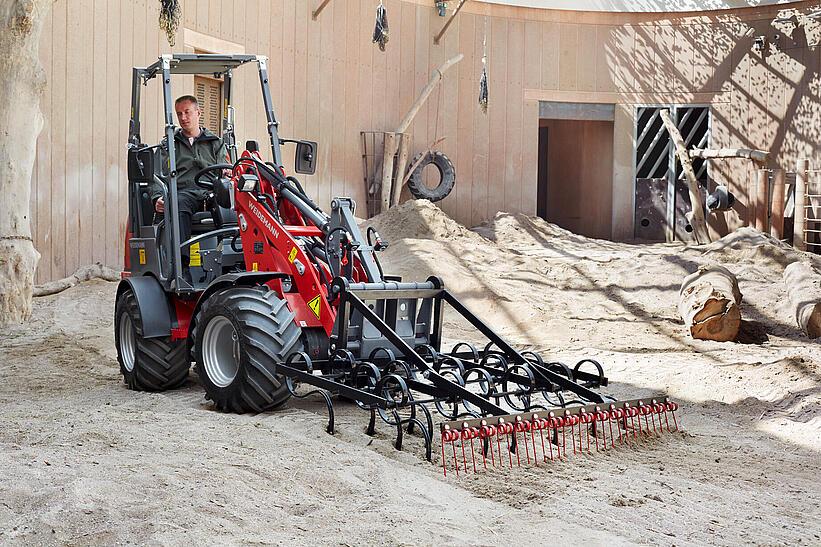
{"x": 85, "y": 461}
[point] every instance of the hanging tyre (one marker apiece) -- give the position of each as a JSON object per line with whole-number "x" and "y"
{"x": 447, "y": 177}
{"x": 240, "y": 335}
{"x": 147, "y": 364}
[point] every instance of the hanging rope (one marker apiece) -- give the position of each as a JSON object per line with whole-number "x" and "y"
{"x": 380, "y": 32}
{"x": 170, "y": 18}
{"x": 483, "y": 93}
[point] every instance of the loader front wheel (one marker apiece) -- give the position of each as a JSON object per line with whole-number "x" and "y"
{"x": 147, "y": 364}
{"x": 240, "y": 335}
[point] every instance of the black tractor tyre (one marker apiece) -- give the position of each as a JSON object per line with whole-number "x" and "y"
{"x": 147, "y": 364}
{"x": 447, "y": 177}
{"x": 240, "y": 334}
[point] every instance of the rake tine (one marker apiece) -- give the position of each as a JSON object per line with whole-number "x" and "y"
{"x": 445, "y": 438}
{"x": 508, "y": 429}
{"x": 564, "y": 440}
{"x": 472, "y": 433}
{"x": 610, "y": 425}
{"x": 464, "y": 456}
{"x": 599, "y": 417}
{"x": 522, "y": 426}
{"x": 543, "y": 424}
{"x": 673, "y": 407}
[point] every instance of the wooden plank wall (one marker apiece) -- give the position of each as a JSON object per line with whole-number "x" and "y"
{"x": 332, "y": 82}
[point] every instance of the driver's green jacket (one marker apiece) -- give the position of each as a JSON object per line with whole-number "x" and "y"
{"x": 207, "y": 149}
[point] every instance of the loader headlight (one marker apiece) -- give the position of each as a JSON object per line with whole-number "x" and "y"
{"x": 248, "y": 183}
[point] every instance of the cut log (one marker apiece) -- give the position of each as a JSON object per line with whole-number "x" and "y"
{"x": 804, "y": 287}
{"x": 709, "y": 302}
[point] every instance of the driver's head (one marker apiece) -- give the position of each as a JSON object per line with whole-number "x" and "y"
{"x": 188, "y": 114}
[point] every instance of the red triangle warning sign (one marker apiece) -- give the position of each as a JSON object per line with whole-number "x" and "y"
{"x": 315, "y": 304}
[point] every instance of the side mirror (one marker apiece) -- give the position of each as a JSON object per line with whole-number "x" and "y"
{"x": 305, "y": 161}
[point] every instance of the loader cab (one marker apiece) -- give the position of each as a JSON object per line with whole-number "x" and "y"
{"x": 154, "y": 247}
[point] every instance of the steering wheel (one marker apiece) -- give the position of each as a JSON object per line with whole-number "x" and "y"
{"x": 207, "y": 184}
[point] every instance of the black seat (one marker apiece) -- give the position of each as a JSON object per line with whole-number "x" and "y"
{"x": 202, "y": 222}
{"x": 224, "y": 217}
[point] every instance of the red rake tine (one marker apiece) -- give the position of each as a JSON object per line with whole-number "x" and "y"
{"x": 522, "y": 426}
{"x": 571, "y": 421}
{"x": 473, "y": 433}
{"x": 673, "y": 407}
{"x": 445, "y": 438}
{"x": 554, "y": 423}
{"x": 586, "y": 419}
{"x": 507, "y": 429}
{"x": 464, "y": 457}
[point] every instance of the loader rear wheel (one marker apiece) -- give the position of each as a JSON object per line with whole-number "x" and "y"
{"x": 240, "y": 335}
{"x": 154, "y": 364}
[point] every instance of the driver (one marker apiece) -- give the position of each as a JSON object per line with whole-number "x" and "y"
{"x": 196, "y": 148}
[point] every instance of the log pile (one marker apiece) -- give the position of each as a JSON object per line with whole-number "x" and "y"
{"x": 709, "y": 301}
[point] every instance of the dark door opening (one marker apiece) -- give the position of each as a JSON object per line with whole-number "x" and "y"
{"x": 575, "y": 177}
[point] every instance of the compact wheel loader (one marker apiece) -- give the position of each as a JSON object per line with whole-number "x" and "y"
{"x": 285, "y": 300}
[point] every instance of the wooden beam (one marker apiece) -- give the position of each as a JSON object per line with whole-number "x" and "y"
{"x": 777, "y": 214}
{"x": 442, "y": 32}
{"x": 800, "y": 215}
{"x": 318, "y": 10}
{"x": 759, "y": 156}
{"x": 762, "y": 202}
{"x": 697, "y": 220}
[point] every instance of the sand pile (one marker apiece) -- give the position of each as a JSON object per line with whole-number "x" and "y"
{"x": 419, "y": 219}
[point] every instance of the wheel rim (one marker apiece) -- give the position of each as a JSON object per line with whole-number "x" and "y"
{"x": 128, "y": 341}
{"x": 220, "y": 351}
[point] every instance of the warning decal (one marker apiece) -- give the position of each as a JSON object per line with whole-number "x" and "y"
{"x": 314, "y": 304}
{"x": 196, "y": 258}
{"x": 142, "y": 256}
{"x": 292, "y": 255}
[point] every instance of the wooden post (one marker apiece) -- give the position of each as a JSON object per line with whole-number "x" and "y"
{"x": 777, "y": 214}
{"x": 438, "y": 37}
{"x": 762, "y": 205}
{"x": 391, "y": 144}
{"x": 800, "y": 215}
{"x": 402, "y": 164}
{"x": 387, "y": 170}
{"x": 700, "y": 231}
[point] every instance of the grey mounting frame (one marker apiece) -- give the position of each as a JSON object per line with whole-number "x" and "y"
{"x": 194, "y": 63}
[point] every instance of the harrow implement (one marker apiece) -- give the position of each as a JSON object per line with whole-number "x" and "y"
{"x": 500, "y": 407}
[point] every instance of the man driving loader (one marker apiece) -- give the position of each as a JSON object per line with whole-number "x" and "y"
{"x": 196, "y": 148}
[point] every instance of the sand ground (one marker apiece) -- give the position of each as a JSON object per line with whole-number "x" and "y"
{"x": 85, "y": 461}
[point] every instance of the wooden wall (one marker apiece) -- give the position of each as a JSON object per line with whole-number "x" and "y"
{"x": 333, "y": 83}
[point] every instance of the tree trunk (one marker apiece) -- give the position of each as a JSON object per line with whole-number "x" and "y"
{"x": 804, "y": 287}
{"x": 22, "y": 81}
{"x": 709, "y": 302}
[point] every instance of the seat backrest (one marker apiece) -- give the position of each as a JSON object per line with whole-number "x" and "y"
{"x": 224, "y": 217}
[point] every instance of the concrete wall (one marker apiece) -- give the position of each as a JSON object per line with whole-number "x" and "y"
{"x": 333, "y": 83}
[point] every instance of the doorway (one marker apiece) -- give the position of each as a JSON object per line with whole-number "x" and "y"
{"x": 575, "y": 172}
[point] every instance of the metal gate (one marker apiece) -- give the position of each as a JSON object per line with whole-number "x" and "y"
{"x": 661, "y": 195}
